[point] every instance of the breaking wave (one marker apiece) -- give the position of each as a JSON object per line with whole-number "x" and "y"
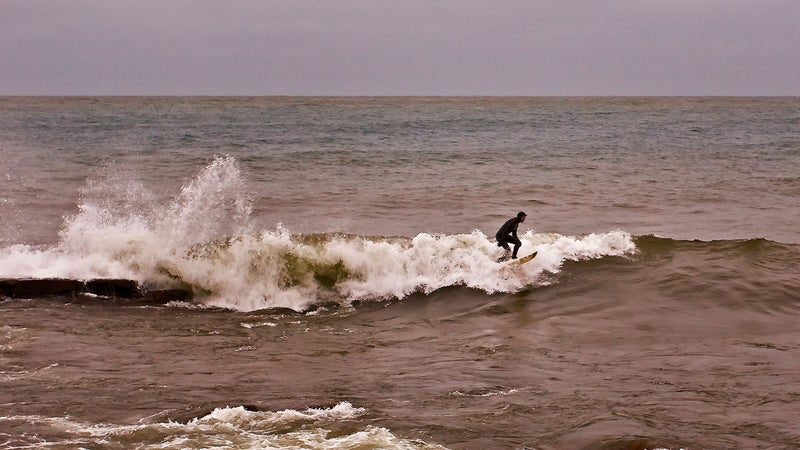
{"x": 204, "y": 240}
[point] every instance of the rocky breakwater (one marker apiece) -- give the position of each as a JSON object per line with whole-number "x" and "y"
{"x": 105, "y": 288}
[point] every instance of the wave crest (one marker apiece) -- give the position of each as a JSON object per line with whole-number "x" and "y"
{"x": 275, "y": 269}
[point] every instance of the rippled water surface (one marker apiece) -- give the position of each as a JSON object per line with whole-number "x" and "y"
{"x": 341, "y": 257}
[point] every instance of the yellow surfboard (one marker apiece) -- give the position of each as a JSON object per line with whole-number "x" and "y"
{"x": 523, "y": 260}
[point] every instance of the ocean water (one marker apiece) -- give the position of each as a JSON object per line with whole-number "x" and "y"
{"x": 342, "y": 259}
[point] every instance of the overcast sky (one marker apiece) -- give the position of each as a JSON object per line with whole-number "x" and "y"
{"x": 400, "y": 47}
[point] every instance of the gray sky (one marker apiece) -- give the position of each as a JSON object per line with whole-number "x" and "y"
{"x": 400, "y": 47}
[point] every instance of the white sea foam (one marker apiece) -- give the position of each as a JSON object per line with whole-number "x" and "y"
{"x": 203, "y": 239}
{"x": 121, "y": 231}
{"x": 229, "y": 427}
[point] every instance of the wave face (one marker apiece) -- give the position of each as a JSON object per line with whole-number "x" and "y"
{"x": 751, "y": 274}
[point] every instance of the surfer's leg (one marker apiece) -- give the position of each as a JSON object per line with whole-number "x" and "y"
{"x": 517, "y": 244}
{"x": 503, "y": 244}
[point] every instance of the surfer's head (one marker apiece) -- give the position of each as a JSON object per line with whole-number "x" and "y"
{"x": 521, "y": 216}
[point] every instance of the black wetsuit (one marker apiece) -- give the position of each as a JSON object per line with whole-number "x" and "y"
{"x": 507, "y": 234}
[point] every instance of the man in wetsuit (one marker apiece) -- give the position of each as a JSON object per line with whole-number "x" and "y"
{"x": 508, "y": 234}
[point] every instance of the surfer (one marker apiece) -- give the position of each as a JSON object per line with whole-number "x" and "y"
{"x": 507, "y": 234}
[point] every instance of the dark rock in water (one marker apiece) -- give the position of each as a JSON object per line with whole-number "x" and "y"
{"x": 112, "y": 288}
{"x": 5, "y": 287}
{"x": 31, "y": 288}
{"x": 118, "y": 288}
{"x": 168, "y": 295}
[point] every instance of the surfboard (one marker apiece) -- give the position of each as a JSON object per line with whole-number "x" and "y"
{"x": 523, "y": 260}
